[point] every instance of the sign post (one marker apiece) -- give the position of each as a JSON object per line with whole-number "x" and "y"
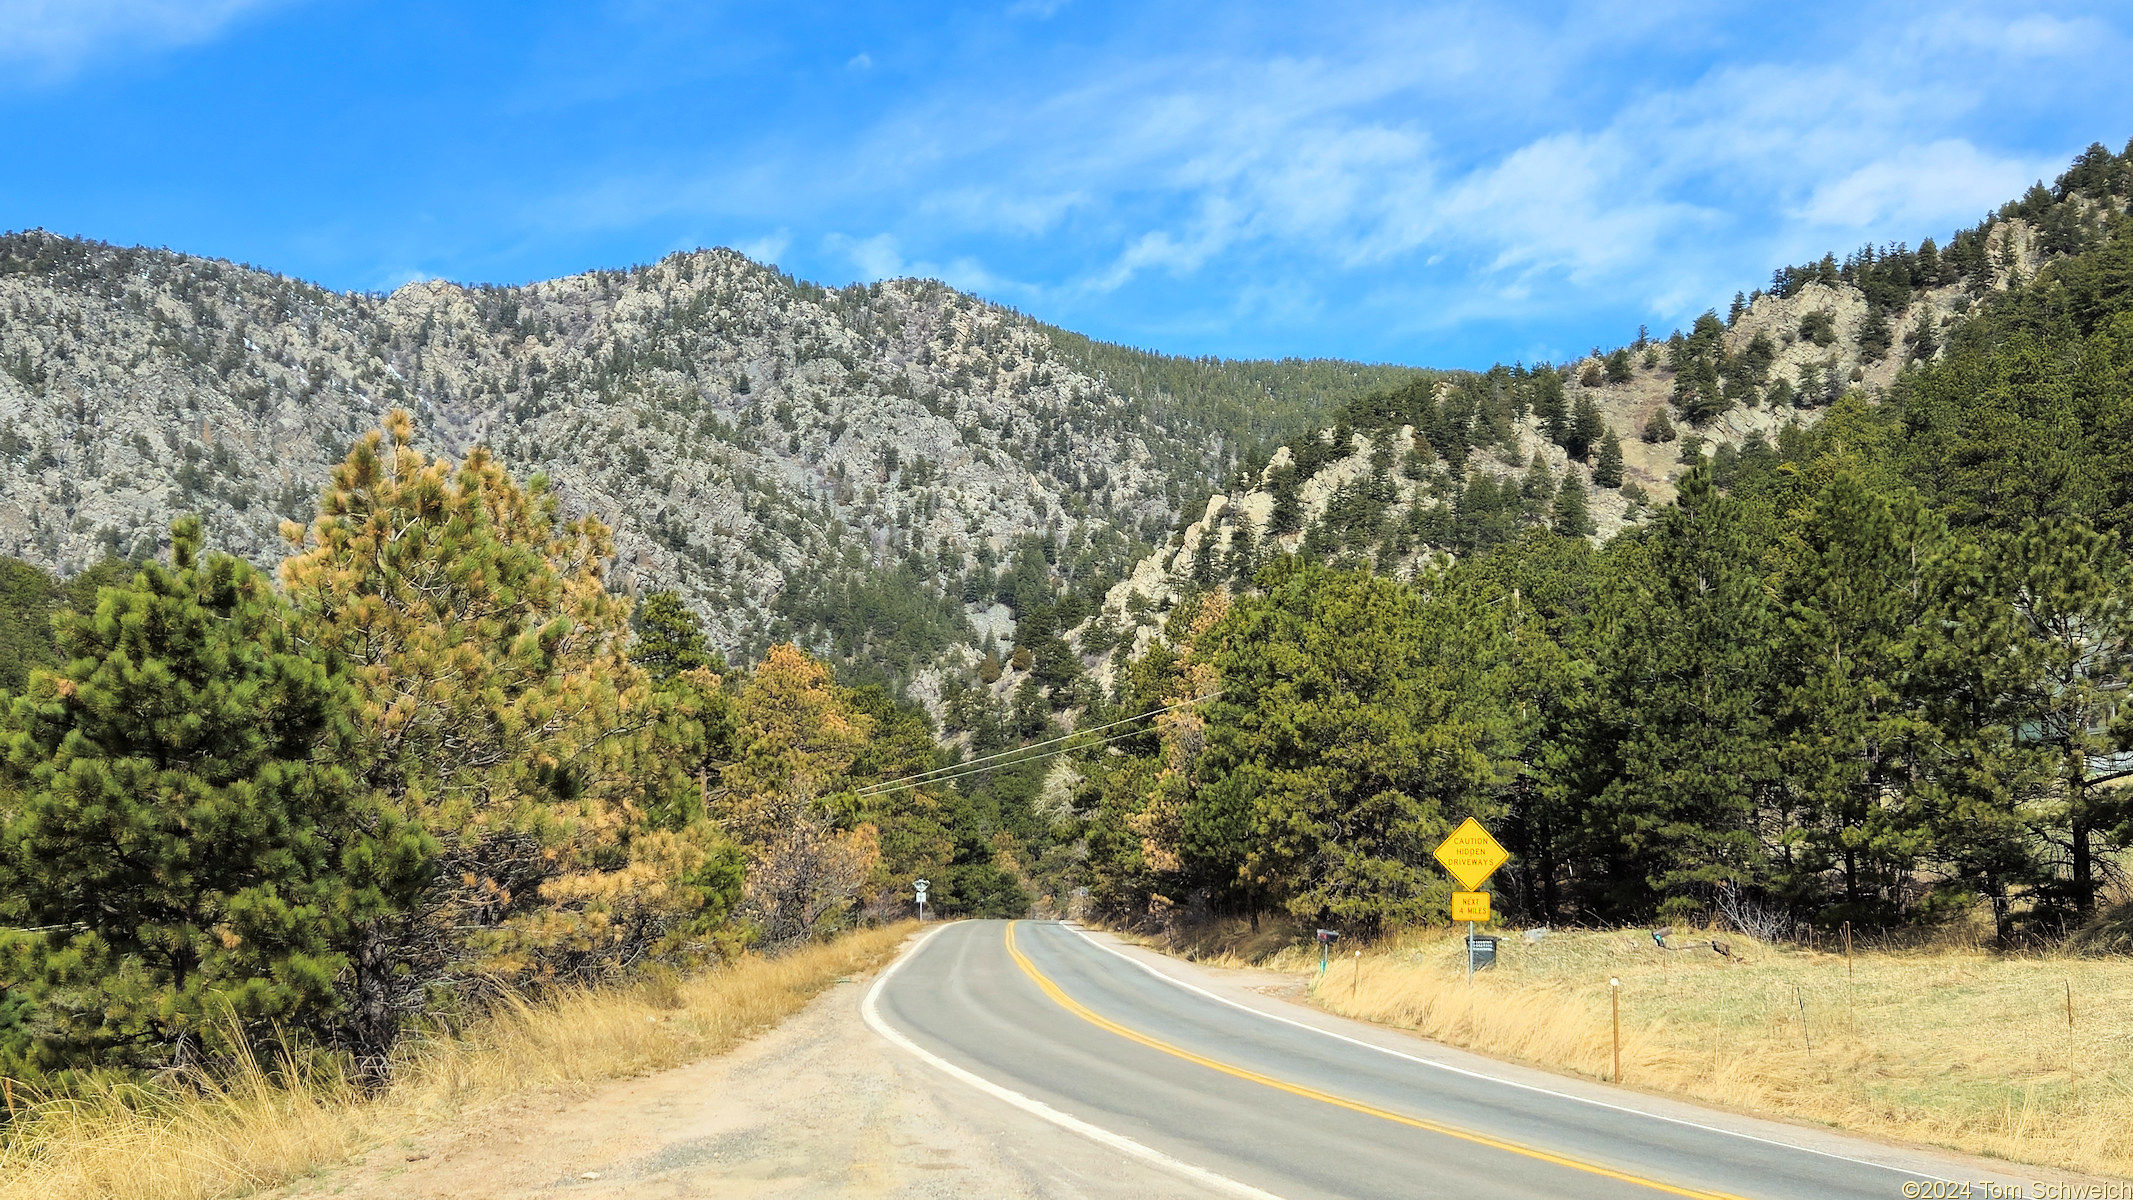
{"x": 919, "y": 886}
{"x": 1471, "y": 855}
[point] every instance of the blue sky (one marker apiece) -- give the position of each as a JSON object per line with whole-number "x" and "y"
{"x": 1445, "y": 185}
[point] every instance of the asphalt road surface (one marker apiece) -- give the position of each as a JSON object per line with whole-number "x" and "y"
{"x": 1228, "y": 1090}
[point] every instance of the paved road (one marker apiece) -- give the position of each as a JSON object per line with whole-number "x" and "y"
{"x": 1224, "y": 1091}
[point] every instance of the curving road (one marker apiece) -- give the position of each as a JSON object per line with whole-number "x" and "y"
{"x": 1250, "y": 1097}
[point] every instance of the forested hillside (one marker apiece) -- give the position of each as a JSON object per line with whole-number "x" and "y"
{"x": 1869, "y": 670}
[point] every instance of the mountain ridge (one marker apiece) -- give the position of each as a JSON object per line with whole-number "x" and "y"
{"x": 739, "y": 428}
{"x": 881, "y": 472}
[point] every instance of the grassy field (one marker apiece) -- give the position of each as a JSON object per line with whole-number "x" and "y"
{"x": 1958, "y": 1047}
{"x": 269, "y": 1124}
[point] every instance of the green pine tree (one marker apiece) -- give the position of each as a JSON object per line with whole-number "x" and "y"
{"x": 1607, "y": 473}
{"x": 1854, "y": 739}
{"x": 1342, "y": 749}
{"x": 2072, "y": 592}
{"x": 1586, "y": 429}
{"x": 1571, "y": 515}
{"x": 193, "y": 863}
{"x": 669, "y": 638}
{"x": 1675, "y": 746}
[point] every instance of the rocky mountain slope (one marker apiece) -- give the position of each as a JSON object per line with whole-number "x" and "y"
{"x": 1386, "y": 496}
{"x": 758, "y": 442}
{"x": 892, "y": 473}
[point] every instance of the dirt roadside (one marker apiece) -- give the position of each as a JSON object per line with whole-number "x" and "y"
{"x": 820, "y": 1106}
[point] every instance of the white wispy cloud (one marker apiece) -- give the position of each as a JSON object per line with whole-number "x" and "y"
{"x": 1416, "y": 168}
{"x": 53, "y": 37}
{"x": 1351, "y": 155}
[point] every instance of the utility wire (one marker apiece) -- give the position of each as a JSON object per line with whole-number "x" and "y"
{"x": 897, "y": 786}
{"x": 961, "y": 768}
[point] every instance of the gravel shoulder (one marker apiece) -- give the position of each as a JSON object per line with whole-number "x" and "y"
{"x": 819, "y": 1106}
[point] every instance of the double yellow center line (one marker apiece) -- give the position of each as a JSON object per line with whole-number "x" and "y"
{"x": 1132, "y": 1035}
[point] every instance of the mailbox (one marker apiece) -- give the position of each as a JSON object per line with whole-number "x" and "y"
{"x": 1481, "y": 952}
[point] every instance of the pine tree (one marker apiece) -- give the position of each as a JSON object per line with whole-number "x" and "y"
{"x": 178, "y": 829}
{"x": 497, "y": 708}
{"x": 1241, "y": 561}
{"x": 1549, "y": 404}
{"x": 669, "y": 638}
{"x": 1921, "y": 340}
{"x": 787, "y": 797}
{"x": 1678, "y": 733}
{"x": 1586, "y": 429}
{"x": 1607, "y": 473}
{"x": 1571, "y": 515}
{"x": 1854, "y": 739}
{"x": 2072, "y": 592}
{"x": 1660, "y": 428}
{"x": 1341, "y": 750}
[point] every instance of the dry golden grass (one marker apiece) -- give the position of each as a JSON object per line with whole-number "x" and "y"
{"x": 267, "y": 1124}
{"x": 1958, "y": 1047}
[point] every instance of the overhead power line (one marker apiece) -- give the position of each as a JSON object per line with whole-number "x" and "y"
{"x": 1022, "y": 754}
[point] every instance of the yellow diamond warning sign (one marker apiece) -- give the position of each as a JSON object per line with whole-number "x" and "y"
{"x": 1470, "y": 854}
{"x": 1470, "y": 906}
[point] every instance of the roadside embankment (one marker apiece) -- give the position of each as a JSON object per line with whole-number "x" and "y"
{"x": 1957, "y": 1047}
{"x": 270, "y": 1122}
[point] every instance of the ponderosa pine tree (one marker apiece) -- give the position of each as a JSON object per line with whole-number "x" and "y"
{"x": 2073, "y": 647}
{"x": 1607, "y": 472}
{"x": 1680, "y": 712}
{"x": 788, "y": 797}
{"x": 1341, "y": 751}
{"x": 1571, "y": 514}
{"x": 1586, "y": 429}
{"x": 1854, "y": 736}
{"x": 176, "y": 824}
{"x": 1522, "y": 607}
{"x": 498, "y": 709}
{"x": 669, "y": 639}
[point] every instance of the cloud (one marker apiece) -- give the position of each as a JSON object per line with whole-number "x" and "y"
{"x": 767, "y": 249}
{"x": 56, "y": 36}
{"x": 1415, "y": 173}
{"x": 876, "y": 257}
{"x": 1425, "y": 144}
{"x": 1922, "y": 187}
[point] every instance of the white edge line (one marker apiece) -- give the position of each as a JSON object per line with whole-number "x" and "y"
{"x": 1037, "y": 1108}
{"x": 1620, "y": 1108}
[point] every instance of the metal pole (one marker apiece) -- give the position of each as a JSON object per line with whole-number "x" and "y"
{"x": 1470, "y": 954}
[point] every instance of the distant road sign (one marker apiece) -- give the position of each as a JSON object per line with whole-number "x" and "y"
{"x": 1471, "y": 855}
{"x": 1470, "y": 906}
